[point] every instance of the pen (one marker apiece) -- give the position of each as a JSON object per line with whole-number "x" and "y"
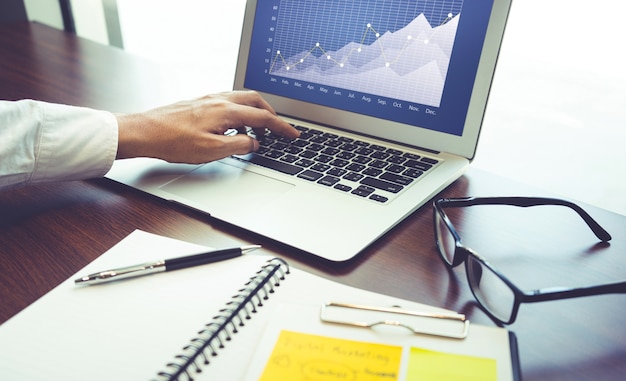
{"x": 164, "y": 265}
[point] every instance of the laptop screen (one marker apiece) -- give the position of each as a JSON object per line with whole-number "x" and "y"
{"x": 406, "y": 61}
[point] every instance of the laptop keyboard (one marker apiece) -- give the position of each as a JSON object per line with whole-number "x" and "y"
{"x": 353, "y": 166}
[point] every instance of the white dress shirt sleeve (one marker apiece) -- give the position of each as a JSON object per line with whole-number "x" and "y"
{"x": 50, "y": 142}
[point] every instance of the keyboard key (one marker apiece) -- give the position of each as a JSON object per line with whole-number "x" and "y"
{"x": 378, "y": 164}
{"x": 430, "y": 161}
{"x": 411, "y": 156}
{"x": 346, "y": 155}
{"x": 348, "y": 147}
{"x": 374, "y": 172}
{"x": 343, "y": 187}
{"x": 300, "y": 143}
{"x": 292, "y": 150}
{"x": 323, "y": 158}
{"x": 306, "y": 135}
{"x": 274, "y": 154}
{"x": 308, "y": 154}
{"x": 289, "y": 158}
{"x": 414, "y": 173}
{"x": 328, "y": 180}
{"x": 382, "y": 184}
{"x": 305, "y": 162}
{"x": 318, "y": 139}
{"x": 330, "y": 151}
{"x": 353, "y": 176}
{"x": 402, "y": 180}
{"x": 279, "y": 146}
{"x": 339, "y": 163}
{"x": 418, "y": 165}
{"x": 262, "y": 150}
{"x": 362, "y": 159}
{"x": 337, "y": 172}
{"x": 333, "y": 143}
{"x": 380, "y": 155}
{"x": 310, "y": 175}
{"x": 396, "y": 159}
{"x": 395, "y": 168}
{"x": 364, "y": 151}
{"x": 315, "y": 147}
{"x": 355, "y": 167}
{"x": 300, "y": 128}
{"x": 289, "y": 169}
{"x": 379, "y": 198}
{"x": 363, "y": 191}
{"x": 320, "y": 167}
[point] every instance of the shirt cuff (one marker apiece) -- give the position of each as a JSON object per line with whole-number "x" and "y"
{"x": 75, "y": 143}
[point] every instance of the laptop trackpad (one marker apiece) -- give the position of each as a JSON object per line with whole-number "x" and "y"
{"x": 219, "y": 186}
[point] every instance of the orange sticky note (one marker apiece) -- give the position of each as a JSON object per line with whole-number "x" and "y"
{"x": 300, "y": 356}
{"x": 431, "y": 365}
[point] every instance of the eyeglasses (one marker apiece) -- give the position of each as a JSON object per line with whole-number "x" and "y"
{"x": 497, "y": 295}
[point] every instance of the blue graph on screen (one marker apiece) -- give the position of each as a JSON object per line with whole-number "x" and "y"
{"x": 391, "y": 48}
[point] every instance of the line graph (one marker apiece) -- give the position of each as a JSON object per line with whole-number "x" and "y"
{"x": 342, "y": 61}
{"x": 385, "y": 48}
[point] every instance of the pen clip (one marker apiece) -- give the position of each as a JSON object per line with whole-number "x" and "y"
{"x": 444, "y": 324}
{"x": 122, "y": 273}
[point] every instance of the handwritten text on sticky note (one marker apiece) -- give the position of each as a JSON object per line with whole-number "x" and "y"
{"x": 300, "y": 356}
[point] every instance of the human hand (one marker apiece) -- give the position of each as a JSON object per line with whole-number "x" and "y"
{"x": 193, "y": 131}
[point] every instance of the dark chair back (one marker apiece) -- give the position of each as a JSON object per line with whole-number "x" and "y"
{"x": 12, "y": 11}
{"x": 15, "y": 10}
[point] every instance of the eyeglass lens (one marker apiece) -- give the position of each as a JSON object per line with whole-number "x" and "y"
{"x": 445, "y": 240}
{"x": 488, "y": 288}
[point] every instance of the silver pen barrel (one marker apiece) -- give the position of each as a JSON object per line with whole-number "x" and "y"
{"x": 122, "y": 273}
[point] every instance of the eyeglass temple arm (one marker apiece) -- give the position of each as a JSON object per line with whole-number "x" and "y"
{"x": 525, "y": 202}
{"x": 548, "y": 294}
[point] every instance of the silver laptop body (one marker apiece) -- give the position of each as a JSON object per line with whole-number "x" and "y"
{"x": 404, "y": 81}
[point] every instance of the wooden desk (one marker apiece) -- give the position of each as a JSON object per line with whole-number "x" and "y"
{"x": 48, "y": 232}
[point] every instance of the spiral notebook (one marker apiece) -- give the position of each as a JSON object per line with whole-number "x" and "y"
{"x": 199, "y": 323}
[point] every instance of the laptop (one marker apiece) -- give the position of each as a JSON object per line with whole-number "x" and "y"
{"x": 389, "y": 97}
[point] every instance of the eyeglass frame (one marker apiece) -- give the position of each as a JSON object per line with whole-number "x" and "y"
{"x": 461, "y": 252}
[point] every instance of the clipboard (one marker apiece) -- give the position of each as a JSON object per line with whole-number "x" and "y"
{"x": 302, "y": 334}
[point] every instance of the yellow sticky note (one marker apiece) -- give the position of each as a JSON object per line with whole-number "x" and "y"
{"x": 440, "y": 366}
{"x": 300, "y": 356}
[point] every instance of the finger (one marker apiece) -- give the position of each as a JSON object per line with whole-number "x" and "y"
{"x": 260, "y": 118}
{"x": 241, "y": 145}
{"x": 250, "y": 98}
{"x": 230, "y": 145}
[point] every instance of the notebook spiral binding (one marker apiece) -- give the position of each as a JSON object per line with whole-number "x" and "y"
{"x": 214, "y": 335}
